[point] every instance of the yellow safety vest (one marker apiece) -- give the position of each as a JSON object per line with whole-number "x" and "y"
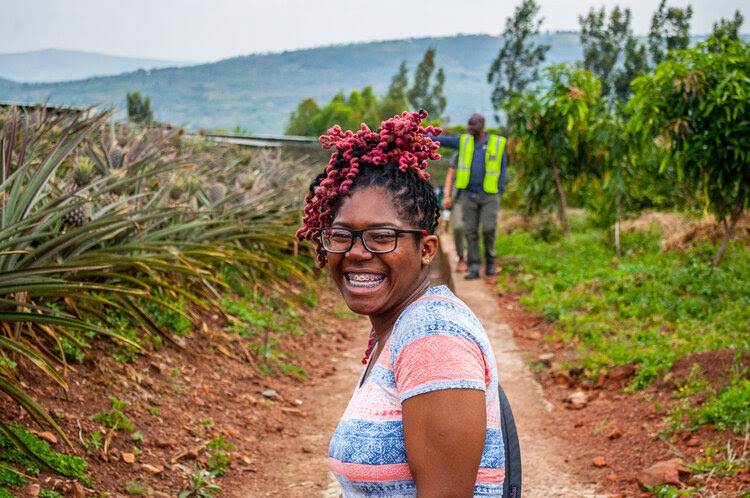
{"x": 492, "y": 162}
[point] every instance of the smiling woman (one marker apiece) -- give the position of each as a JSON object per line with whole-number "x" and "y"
{"x": 425, "y": 415}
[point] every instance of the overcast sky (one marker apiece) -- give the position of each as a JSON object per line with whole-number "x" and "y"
{"x": 209, "y": 30}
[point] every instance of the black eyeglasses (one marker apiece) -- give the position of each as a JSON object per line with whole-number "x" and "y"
{"x": 377, "y": 240}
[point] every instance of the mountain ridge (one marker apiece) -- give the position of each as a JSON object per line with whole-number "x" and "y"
{"x": 53, "y": 65}
{"x": 258, "y": 92}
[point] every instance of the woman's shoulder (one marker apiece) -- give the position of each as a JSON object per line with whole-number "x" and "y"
{"x": 439, "y": 311}
{"x": 438, "y": 299}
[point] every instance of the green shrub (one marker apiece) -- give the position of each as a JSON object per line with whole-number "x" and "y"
{"x": 647, "y": 308}
{"x": 730, "y": 409}
{"x": 218, "y": 461}
{"x": 115, "y": 418}
{"x": 48, "y": 493}
{"x": 167, "y": 318}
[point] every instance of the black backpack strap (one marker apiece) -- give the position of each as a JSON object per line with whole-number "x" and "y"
{"x": 512, "y": 483}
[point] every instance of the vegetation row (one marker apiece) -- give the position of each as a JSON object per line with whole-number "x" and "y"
{"x": 127, "y": 235}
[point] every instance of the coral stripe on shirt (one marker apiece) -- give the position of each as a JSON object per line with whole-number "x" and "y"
{"x": 370, "y": 473}
{"x": 490, "y": 475}
{"x": 435, "y": 358}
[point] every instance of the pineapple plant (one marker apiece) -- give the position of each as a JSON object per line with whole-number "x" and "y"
{"x": 115, "y": 157}
{"x": 113, "y": 191}
{"x": 176, "y": 189}
{"x": 216, "y": 192}
{"x": 246, "y": 180}
{"x": 82, "y": 174}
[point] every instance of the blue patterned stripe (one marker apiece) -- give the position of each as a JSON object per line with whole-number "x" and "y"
{"x": 391, "y": 489}
{"x": 366, "y": 442}
{"x": 487, "y": 489}
{"x": 493, "y": 456}
{"x": 382, "y": 376}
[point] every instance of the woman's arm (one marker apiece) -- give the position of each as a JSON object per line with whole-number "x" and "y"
{"x": 444, "y": 432}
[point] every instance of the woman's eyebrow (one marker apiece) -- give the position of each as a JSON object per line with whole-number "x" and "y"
{"x": 383, "y": 224}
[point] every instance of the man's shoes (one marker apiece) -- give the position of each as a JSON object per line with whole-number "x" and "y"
{"x": 472, "y": 275}
{"x": 490, "y": 269}
{"x": 461, "y": 266}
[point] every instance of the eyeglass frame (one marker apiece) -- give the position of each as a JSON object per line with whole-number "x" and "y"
{"x": 360, "y": 234}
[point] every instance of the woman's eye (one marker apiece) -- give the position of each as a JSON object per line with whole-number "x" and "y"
{"x": 383, "y": 236}
{"x": 339, "y": 236}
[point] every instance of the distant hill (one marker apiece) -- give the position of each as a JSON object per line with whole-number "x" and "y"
{"x": 258, "y": 92}
{"x": 50, "y": 65}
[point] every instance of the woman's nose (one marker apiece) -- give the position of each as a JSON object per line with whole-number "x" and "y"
{"x": 358, "y": 249}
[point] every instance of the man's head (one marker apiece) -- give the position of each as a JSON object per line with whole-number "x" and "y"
{"x": 476, "y": 125}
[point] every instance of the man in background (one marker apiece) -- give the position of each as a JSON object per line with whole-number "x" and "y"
{"x": 480, "y": 175}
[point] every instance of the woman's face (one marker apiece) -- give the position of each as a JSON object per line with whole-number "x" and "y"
{"x": 399, "y": 276}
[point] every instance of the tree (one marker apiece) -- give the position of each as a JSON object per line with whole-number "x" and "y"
{"x": 696, "y": 106}
{"x": 554, "y": 126}
{"x": 517, "y": 63}
{"x": 348, "y": 112}
{"x": 635, "y": 63}
{"x": 420, "y": 95}
{"x": 395, "y": 101}
{"x": 139, "y": 109}
{"x": 300, "y": 122}
{"x": 729, "y": 29}
{"x": 437, "y": 101}
{"x": 364, "y": 107}
{"x": 611, "y": 51}
{"x": 670, "y": 30}
{"x": 337, "y": 111}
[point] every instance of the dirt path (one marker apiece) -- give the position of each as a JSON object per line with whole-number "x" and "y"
{"x": 295, "y": 464}
{"x": 546, "y": 471}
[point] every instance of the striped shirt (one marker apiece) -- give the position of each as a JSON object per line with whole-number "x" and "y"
{"x": 436, "y": 343}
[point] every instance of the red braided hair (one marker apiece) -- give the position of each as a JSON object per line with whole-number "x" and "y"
{"x": 400, "y": 141}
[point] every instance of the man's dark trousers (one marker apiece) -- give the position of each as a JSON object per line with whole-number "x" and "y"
{"x": 480, "y": 209}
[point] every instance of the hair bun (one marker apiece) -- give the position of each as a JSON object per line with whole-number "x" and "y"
{"x": 399, "y": 140}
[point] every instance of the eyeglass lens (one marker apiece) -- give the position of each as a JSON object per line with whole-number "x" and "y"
{"x": 375, "y": 240}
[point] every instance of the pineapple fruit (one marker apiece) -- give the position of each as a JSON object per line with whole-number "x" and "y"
{"x": 216, "y": 192}
{"x": 113, "y": 192}
{"x": 115, "y": 157}
{"x": 82, "y": 174}
{"x": 176, "y": 189}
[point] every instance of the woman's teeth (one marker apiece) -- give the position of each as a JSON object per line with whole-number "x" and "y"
{"x": 364, "y": 280}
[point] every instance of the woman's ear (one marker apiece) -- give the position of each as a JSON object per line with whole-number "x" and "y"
{"x": 429, "y": 249}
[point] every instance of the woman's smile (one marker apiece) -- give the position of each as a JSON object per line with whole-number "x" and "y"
{"x": 364, "y": 280}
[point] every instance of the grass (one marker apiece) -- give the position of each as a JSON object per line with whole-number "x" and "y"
{"x": 718, "y": 461}
{"x": 115, "y": 418}
{"x": 647, "y": 308}
{"x": 728, "y": 409}
{"x": 12, "y": 458}
{"x": 265, "y": 321}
